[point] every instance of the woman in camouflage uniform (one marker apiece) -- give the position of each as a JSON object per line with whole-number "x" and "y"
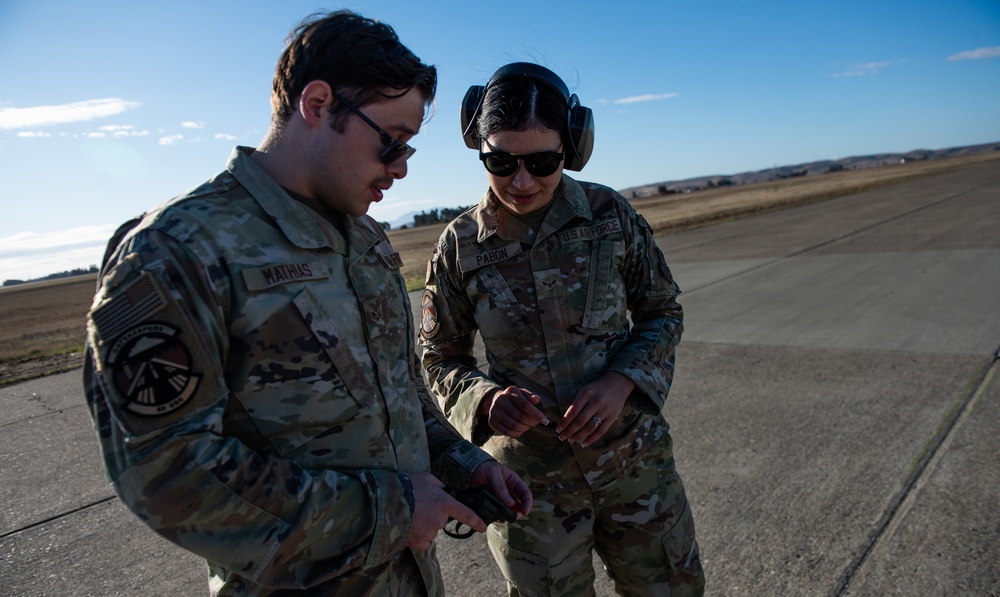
{"x": 550, "y": 271}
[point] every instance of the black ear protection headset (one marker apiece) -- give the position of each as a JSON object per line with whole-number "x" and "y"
{"x": 579, "y": 119}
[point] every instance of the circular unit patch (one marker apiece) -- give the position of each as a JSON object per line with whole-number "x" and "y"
{"x": 428, "y": 316}
{"x": 151, "y": 370}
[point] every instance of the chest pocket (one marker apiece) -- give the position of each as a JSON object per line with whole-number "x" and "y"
{"x": 605, "y": 289}
{"x": 501, "y": 319}
{"x": 305, "y": 377}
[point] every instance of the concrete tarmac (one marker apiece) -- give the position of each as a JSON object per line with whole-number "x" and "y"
{"x": 835, "y": 415}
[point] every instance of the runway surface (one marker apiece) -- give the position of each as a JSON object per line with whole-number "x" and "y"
{"x": 835, "y": 415}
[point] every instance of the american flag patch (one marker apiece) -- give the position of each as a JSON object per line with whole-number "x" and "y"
{"x": 136, "y": 302}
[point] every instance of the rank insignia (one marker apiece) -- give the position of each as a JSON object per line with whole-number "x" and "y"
{"x": 375, "y": 314}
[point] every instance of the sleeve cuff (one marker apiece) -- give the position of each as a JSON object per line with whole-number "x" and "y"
{"x": 648, "y": 396}
{"x": 459, "y": 463}
{"x": 393, "y": 503}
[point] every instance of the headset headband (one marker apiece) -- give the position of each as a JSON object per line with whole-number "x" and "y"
{"x": 579, "y": 119}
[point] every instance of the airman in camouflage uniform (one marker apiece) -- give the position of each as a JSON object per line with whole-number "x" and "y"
{"x": 550, "y": 291}
{"x": 255, "y": 387}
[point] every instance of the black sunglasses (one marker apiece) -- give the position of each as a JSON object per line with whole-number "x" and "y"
{"x": 394, "y": 148}
{"x": 502, "y": 163}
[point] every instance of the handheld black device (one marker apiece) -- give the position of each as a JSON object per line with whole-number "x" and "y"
{"x": 486, "y": 505}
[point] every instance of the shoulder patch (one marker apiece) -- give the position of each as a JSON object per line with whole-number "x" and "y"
{"x": 134, "y": 303}
{"x": 151, "y": 370}
{"x": 429, "y": 324}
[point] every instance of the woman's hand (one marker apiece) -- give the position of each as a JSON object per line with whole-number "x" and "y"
{"x": 596, "y": 407}
{"x": 512, "y": 411}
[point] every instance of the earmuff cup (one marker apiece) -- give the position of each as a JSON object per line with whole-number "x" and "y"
{"x": 471, "y": 103}
{"x": 579, "y": 118}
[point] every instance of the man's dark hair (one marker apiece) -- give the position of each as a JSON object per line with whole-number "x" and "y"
{"x": 359, "y": 57}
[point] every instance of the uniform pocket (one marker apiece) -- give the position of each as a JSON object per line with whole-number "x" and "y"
{"x": 605, "y": 290}
{"x": 155, "y": 363}
{"x": 501, "y": 320}
{"x": 683, "y": 558}
{"x": 304, "y": 378}
{"x": 528, "y": 573}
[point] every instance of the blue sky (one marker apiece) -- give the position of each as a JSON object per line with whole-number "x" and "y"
{"x": 108, "y": 108}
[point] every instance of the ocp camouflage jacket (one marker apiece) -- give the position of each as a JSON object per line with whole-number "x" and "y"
{"x": 553, "y": 307}
{"x": 257, "y": 394}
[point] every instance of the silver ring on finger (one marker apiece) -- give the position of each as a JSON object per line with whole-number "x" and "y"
{"x": 596, "y": 421}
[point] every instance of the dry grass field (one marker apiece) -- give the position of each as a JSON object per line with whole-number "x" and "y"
{"x": 42, "y": 324}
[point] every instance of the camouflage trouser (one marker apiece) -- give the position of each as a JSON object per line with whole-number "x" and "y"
{"x": 641, "y": 527}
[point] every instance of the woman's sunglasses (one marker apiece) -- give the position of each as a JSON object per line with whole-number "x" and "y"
{"x": 394, "y": 148}
{"x": 501, "y": 163}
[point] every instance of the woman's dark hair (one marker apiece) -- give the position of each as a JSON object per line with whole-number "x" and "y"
{"x": 519, "y": 104}
{"x": 359, "y": 57}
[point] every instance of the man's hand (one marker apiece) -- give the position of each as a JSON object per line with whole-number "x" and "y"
{"x": 505, "y": 484}
{"x": 432, "y": 507}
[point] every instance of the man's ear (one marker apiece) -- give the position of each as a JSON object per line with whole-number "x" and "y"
{"x": 315, "y": 99}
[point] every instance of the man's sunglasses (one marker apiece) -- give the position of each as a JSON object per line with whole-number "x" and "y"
{"x": 501, "y": 163}
{"x": 394, "y": 148}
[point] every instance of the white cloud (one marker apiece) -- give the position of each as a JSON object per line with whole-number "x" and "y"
{"x": 171, "y": 139}
{"x": 32, "y": 134}
{"x": 18, "y": 118}
{"x": 123, "y": 130}
{"x": 31, "y": 255}
{"x": 32, "y": 241}
{"x": 861, "y": 70}
{"x": 225, "y": 136}
{"x": 977, "y": 54}
{"x": 41, "y": 264}
{"x": 649, "y": 97}
{"x": 190, "y": 124}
